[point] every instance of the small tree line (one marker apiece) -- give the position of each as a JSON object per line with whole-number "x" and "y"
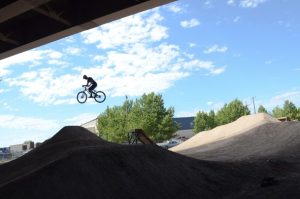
{"x": 288, "y": 110}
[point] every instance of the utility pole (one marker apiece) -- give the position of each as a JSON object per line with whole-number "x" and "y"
{"x": 253, "y": 101}
{"x": 126, "y": 111}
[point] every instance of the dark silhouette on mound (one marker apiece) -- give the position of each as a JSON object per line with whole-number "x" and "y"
{"x": 77, "y": 164}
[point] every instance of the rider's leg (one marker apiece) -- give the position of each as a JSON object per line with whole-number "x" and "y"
{"x": 91, "y": 89}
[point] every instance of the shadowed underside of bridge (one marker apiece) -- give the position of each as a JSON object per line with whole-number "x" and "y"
{"x": 26, "y": 24}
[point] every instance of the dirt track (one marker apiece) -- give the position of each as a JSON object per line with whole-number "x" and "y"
{"x": 76, "y": 164}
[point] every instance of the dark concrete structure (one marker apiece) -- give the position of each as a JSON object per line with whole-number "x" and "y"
{"x": 26, "y": 24}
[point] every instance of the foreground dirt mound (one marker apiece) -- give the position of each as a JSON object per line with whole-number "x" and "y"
{"x": 76, "y": 164}
{"x": 223, "y": 132}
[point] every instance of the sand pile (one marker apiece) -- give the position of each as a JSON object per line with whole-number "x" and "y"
{"x": 223, "y": 132}
{"x": 76, "y": 164}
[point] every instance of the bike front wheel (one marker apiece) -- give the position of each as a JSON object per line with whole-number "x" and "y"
{"x": 100, "y": 96}
{"x": 81, "y": 97}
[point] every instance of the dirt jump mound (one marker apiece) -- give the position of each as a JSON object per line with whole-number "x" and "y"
{"x": 77, "y": 164}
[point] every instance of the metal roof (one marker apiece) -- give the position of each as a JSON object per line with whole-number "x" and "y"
{"x": 186, "y": 123}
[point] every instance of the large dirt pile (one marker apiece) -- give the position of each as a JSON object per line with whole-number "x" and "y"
{"x": 267, "y": 141}
{"x": 223, "y": 132}
{"x": 77, "y": 164}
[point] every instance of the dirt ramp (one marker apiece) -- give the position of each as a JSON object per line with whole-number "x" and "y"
{"x": 223, "y": 132}
{"x": 76, "y": 164}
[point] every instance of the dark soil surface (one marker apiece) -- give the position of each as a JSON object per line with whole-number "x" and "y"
{"x": 77, "y": 164}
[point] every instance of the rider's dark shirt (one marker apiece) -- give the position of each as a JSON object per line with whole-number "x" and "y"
{"x": 90, "y": 80}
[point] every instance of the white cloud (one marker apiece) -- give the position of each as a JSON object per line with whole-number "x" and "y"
{"x": 217, "y": 71}
{"x": 216, "y": 48}
{"x": 54, "y": 54}
{"x": 70, "y": 39}
{"x": 140, "y": 28}
{"x": 30, "y": 58}
{"x": 175, "y": 8}
{"x": 137, "y": 58}
{"x": 198, "y": 64}
{"x": 190, "y": 23}
{"x": 22, "y": 58}
{"x": 44, "y": 87}
{"x": 99, "y": 58}
{"x": 251, "y": 3}
{"x": 192, "y": 45}
{"x": 73, "y": 51}
{"x": 28, "y": 123}
{"x": 236, "y": 19}
{"x": 246, "y": 3}
{"x": 231, "y": 2}
{"x": 278, "y": 100}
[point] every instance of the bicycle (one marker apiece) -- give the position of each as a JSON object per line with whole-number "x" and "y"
{"x": 99, "y": 96}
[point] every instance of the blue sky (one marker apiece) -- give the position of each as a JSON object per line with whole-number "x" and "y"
{"x": 197, "y": 54}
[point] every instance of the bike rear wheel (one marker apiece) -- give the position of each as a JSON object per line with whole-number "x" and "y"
{"x": 100, "y": 96}
{"x": 81, "y": 97}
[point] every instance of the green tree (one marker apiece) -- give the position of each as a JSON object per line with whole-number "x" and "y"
{"x": 113, "y": 123}
{"x": 298, "y": 114}
{"x": 290, "y": 110}
{"x": 212, "y": 123}
{"x": 150, "y": 114}
{"x": 277, "y": 112}
{"x": 200, "y": 122}
{"x": 204, "y": 121}
{"x": 262, "y": 109}
{"x": 147, "y": 113}
{"x": 231, "y": 112}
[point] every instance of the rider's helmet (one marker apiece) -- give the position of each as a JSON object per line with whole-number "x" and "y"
{"x": 84, "y": 77}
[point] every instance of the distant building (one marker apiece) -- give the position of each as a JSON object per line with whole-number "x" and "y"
{"x": 18, "y": 150}
{"x": 186, "y": 125}
{"x": 29, "y": 145}
{"x": 5, "y": 153}
{"x": 91, "y": 126}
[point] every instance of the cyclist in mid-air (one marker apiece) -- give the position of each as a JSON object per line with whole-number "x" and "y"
{"x": 91, "y": 83}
